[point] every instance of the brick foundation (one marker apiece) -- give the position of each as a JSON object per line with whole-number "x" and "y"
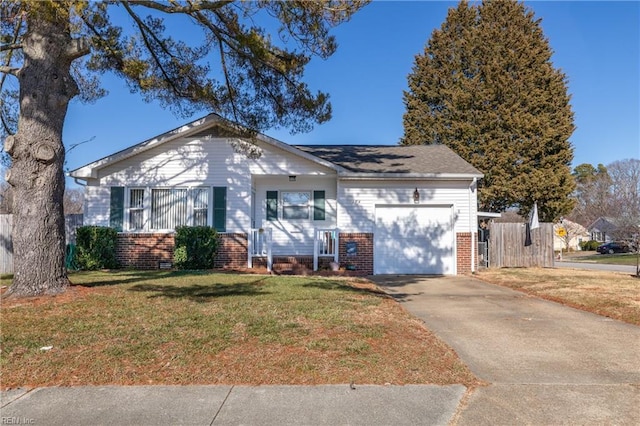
{"x": 464, "y": 241}
{"x": 232, "y": 251}
{"x": 144, "y": 251}
{"x": 363, "y": 260}
{"x": 147, "y": 251}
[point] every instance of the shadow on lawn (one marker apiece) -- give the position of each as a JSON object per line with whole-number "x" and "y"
{"x": 336, "y": 285}
{"x": 201, "y": 292}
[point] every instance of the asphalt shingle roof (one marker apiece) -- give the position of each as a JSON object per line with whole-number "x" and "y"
{"x": 414, "y": 159}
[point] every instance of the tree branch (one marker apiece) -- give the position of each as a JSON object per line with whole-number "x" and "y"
{"x": 228, "y": 80}
{"x": 189, "y": 8}
{"x": 78, "y": 48}
{"x": 9, "y": 70}
{"x": 143, "y": 31}
{"x": 10, "y": 46}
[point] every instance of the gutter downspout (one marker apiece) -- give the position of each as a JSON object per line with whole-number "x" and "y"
{"x": 78, "y": 183}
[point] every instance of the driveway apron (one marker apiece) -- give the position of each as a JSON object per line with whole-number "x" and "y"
{"x": 546, "y": 363}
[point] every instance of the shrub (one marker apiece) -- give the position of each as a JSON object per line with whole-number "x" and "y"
{"x": 196, "y": 247}
{"x": 590, "y": 245}
{"x": 96, "y": 247}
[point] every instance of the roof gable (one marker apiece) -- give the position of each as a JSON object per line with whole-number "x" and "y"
{"x": 349, "y": 161}
{"x": 213, "y": 125}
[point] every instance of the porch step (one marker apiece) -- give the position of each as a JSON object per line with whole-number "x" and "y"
{"x": 286, "y": 268}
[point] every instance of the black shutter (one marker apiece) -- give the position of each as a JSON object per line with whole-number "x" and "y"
{"x": 116, "y": 208}
{"x": 220, "y": 208}
{"x": 318, "y": 205}
{"x": 272, "y": 205}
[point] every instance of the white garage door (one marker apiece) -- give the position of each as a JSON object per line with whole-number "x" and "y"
{"x": 414, "y": 240}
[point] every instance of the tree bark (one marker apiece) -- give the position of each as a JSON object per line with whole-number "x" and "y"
{"x": 46, "y": 87}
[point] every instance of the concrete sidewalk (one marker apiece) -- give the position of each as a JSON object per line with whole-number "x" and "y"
{"x": 233, "y": 405}
{"x": 546, "y": 363}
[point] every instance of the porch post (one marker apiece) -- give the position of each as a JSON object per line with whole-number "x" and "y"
{"x": 336, "y": 248}
{"x": 315, "y": 249}
{"x": 269, "y": 244}
{"x": 250, "y": 249}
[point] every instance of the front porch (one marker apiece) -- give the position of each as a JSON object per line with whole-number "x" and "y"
{"x": 325, "y": 256}
{"x": 334, "y": 253}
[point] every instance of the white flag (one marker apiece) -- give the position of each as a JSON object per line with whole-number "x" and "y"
{"x": 533, "y": 223}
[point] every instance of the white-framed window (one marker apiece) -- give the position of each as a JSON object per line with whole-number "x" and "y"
{"x": 169, "y": 207}
{"x": 200, "y": 198}
{"x": 295, "y": 205}
{"x": 163, "y": 209}
{"x": 136, "y": 209}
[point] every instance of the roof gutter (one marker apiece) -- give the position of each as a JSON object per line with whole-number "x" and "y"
{"x": 409, "y": 176}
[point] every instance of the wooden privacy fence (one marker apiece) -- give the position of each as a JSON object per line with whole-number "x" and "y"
{"x": 6, "y": 246}
{"x": 71, "y": 223}
{"x": 507, "y": 249}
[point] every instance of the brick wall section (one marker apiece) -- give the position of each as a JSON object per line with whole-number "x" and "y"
{"x": 363, "y": 260}
{"x": 464, "y": 241}
{"x": 146, "y": 251}
{"x": 232, "y": 251}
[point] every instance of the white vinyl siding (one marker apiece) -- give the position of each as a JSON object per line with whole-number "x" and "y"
{"x": 183, "y": 163}
{"x": 294, "y": 236}
{"x": 96, "y": 205}
{"x": 357, "y": 201}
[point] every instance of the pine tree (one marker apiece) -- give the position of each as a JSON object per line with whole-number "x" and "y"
{"x": 486, "y": 87}
{"x": 196, "y": 55}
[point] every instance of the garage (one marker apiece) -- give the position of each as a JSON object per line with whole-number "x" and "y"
{"x": 414, "y": 240}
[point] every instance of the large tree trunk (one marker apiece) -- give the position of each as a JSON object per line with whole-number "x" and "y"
{"x": 37, "y": 152}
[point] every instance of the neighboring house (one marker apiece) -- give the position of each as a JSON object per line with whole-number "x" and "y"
{"x": 374, "y": 209}
{"x": 602, "y": 230}
{"x": 568, "y": 235}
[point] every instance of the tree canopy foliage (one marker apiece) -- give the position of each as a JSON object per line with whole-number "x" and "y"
{"x": 486, "y": 87}
{"x": 209, "y": 55}
{"x": 225, "y": 62}
{"x": 612, "y": 192}
{"x": 592, "y": 193}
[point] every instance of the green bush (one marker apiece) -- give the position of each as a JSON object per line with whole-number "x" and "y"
{"x": 96, "y": 247}
{"x": 196, "y": 247}
{"x": 590, "y": 245}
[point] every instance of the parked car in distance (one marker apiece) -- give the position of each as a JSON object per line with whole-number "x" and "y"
{"x": 613, "y": 247}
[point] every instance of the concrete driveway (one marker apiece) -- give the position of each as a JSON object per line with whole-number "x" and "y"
{"x": 545, "y": 363}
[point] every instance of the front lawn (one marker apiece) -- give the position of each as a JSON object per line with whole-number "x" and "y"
{"x": 609, "y": 259}
{"x": 612, "y": 294}
{"x": 210, "y": 328}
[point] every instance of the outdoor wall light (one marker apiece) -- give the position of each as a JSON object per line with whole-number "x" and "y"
{"x": 292, "y": 178}
{"x": 416, "y": 196}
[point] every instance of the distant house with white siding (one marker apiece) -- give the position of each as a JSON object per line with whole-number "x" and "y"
{"x": 602, "y": 230}
{"x": 568, "y": 235}
{"x": 374, "y": 209}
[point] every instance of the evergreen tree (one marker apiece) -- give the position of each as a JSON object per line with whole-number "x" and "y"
{"x": 486, "y": 87}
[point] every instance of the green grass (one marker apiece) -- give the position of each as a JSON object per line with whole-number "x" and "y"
{"x": 609, "y": 259}
{"x": 169, "y": 327}
{"x": 612, "y": 294}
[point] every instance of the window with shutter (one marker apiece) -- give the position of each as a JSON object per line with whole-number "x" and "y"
{"x": 220, "y": 208}
{"x": 319, "y": 205}
{"x": 116, "y": 208}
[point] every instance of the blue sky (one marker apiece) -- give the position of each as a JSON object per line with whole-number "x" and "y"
{"x": 597, "y": 44}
